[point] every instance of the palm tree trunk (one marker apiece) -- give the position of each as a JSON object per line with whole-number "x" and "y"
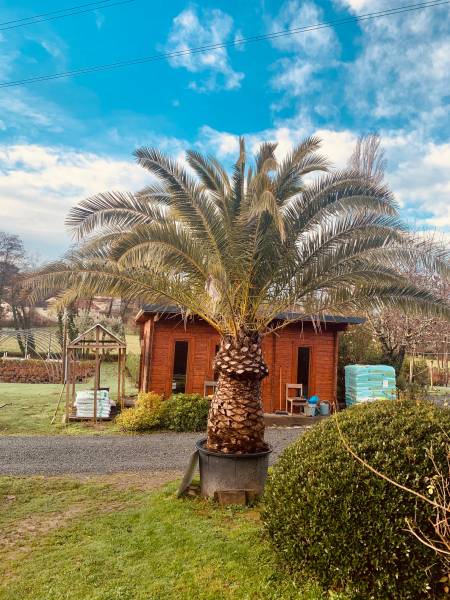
{"x": 236, "y": 417}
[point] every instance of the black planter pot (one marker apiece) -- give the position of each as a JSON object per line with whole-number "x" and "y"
{"x": 225, "y": 472}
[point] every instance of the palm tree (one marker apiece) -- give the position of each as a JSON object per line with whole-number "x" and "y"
{"x": 236, "y": 250}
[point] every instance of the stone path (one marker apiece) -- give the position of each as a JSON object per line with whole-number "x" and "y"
{"x": 102, "y": 454}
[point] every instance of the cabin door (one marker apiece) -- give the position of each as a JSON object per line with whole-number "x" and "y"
{"x": 180, "y": 367}
{"x": 304, "y": 368}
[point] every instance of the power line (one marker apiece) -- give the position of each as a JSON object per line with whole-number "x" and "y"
{"x": 61, "y": 13}
{"x": 54, "y": 12}
{"x": 256, "y": 38}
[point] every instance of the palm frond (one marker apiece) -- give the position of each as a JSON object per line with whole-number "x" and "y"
{"x": 265, "y": 160}
{"x": 338, "y": 192}
{"x": 210, "y": 174}
{"x": 188, "y": 201}
{"x": 303, "y": 159}
{"x": 112, "y": 209}
{"x": 165, "y": 244}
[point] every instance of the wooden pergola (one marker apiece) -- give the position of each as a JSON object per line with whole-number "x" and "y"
{"x": 99, "y": 340}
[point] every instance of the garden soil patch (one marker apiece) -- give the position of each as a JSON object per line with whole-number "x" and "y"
{"x": 39, "y": 371}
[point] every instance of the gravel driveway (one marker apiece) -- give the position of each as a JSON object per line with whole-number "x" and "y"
{"x": 61, "y": 455}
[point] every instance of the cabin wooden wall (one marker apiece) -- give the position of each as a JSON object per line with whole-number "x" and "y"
{"x": 280, "y": 352}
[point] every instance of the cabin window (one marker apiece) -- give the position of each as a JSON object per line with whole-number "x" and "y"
{"x": 180, "y": 360}
{"x": 303, "y": 362}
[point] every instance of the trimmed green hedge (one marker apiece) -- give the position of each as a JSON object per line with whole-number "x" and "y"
{"x": 181, "y": 412}
{"x": 145, "y": 416}
{"x": 331, "y": 518}
{"x": 185, "y": 412}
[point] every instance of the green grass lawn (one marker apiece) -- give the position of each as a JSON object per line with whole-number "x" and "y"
{"x": 439, "y": 390}
{"x": 62, "y": 539}
{"x": 133, "y": 343}
{"x": 44, "y": 343}
{"x": 32, "y": 405}
{"x": 9, "y": 345}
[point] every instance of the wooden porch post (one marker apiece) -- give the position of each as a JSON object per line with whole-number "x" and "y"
{"x": 73, "y": 375}
{"x": 96, "y": 378}
{"x": 67, "y": 380}
{"x": 122, "y": 379}
{"x": 119, "y": 373}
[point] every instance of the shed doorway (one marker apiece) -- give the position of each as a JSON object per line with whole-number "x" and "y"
{"x": 180, "y": 364}
{"x": 303, "y": 368}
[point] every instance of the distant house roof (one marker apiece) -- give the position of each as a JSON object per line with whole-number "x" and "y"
{"x": 151, "y": 309}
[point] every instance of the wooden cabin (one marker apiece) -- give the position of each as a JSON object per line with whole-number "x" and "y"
{"x": 177, "y": 356}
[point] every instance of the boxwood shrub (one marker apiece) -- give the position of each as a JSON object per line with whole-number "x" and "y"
{"x": 329, "y": 517}
{"x": 145, "y": 416}
{"x": 180, "y": 412}
{"x": 185, "y": 412}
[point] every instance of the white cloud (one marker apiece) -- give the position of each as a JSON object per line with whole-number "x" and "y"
{"x": 220, "y": 143}
{"x": 296, "y": 13}
{"x": 398, "y": 73}
{"x": 337, "y": 145}
{"x": 210, "y": 27}
{"x": 52, "y": 48}
{"x": 39, "y": 184}
{"x": 21, "y": 108}
{"x": 24, "y": 111}
{"x": 310, "y": 52}
{"x": 418, "y": 173}
{"x": 402, "y": 69}
{"x": 238, "y": 36}
{"x": 355, "y": 5}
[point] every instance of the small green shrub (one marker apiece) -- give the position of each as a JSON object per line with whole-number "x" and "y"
{"x": 181, "y": 412}
{"x": 329, "y": 517}
{"x": 145, "y": 416}
{"x": 132, "y": 364}
{"x": 185, "y": 412}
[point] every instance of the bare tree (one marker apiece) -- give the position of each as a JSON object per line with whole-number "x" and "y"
{"x": 12, "y": 255}
{"x": 368, "y": 157}
{"x": 399, "y": 333}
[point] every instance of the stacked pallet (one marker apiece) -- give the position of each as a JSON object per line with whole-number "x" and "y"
{"x": 366, "y": 383}
{"x": 84, "y": 404}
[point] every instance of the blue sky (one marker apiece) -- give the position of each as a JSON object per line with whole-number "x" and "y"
{"x": 63, "y": 140}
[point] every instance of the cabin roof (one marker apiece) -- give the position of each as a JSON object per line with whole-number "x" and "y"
{"x": 152, "y": 309}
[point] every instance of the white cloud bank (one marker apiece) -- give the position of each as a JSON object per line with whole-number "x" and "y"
{"x": 396, "y": 71}
{"x": 192, "y": 29}
{"x": 39, "y": 184}
{"x": 308, "y": 53}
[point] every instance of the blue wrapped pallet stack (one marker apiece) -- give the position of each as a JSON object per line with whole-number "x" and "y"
{"x": 365, "y": 383}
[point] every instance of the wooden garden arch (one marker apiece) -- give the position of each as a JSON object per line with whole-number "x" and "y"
{"x": 96, "y": 339}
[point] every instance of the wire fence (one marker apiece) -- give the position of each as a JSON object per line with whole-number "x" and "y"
{"x": 44, "y": 345}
